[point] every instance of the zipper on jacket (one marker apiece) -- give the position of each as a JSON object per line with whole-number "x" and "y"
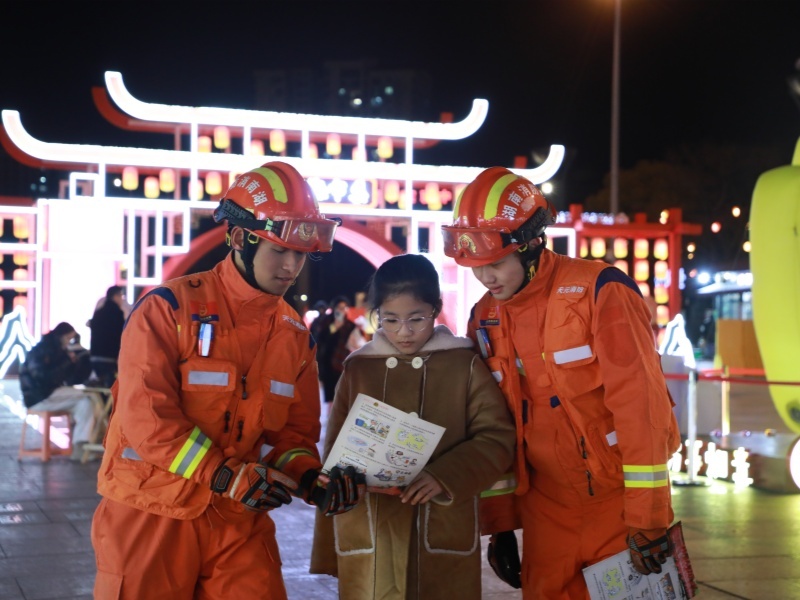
{"x": 244, "y": 387}
{"x": 588, "y": 473}
{"x": 240, "y": 426}
{"x": 227, "y": 421}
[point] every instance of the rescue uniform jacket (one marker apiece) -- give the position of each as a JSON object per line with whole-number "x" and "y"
{"x": 390, "y": 550}
{"x": 577, "y": 338}
{"x": 178, "y": 413}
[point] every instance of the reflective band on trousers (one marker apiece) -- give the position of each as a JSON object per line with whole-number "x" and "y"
{"x": 191, "y": 454}
{"x": 506, "y": 485}
{"x": 645, "y": 476}
{"x": 282, "y": 389}
{"x": 208, "y": 378}
{"x": 286, "y": 457}
{"x": 572, "y": 354}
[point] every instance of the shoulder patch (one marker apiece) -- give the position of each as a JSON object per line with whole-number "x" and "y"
{"x": 614, "y": 275}
{"x": 295, "y": 322}
{"x": 161, "y": 292}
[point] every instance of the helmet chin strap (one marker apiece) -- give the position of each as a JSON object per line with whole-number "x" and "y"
{"x": 529, "y": 257}
{"x": 248, "y": 253}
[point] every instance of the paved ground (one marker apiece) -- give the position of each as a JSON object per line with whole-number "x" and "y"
{"x": 743, "y": 543}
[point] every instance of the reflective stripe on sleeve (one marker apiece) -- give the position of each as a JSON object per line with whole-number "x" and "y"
{"x": 282, "y": 389}
{"x": 191, "y": 454}
{"x": 289, "y": 455}
{"x": 645, "y": 476}
{"x": 506, "y": 485}
{"x": 572, "y": 354}
{"x": 208, "y": 378}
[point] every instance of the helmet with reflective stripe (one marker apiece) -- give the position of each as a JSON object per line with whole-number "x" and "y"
{"x": 275, "y": 203}
{"x": 497, "y": 213}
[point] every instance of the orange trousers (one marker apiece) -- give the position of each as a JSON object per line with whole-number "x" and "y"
{"x": 558, "y": 541}
{"x": 140, "y": 555}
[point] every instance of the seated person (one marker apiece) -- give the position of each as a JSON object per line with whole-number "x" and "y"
{"x": 46, "y": 379}
{"x": 107, "y": 323}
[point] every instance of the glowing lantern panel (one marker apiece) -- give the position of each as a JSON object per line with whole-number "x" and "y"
{"x": 277, "y": 141}
{"x": 213, "y": 183}
{"x": 661, "y": 269}
{"x": 151, "y": 187}
{"x": 257, "y": 147}
{"x": 166, "y": 180}
{"x": 21, "y": 259}
{"x": 641, "y": 248}
{"x": 622, "y": 265}
{"x": 584, "y": 248}
{"x": 21, "y": 229}
{"x": 130, "y": 178}
{"x": 660, "y": 294}
{"x": 662, "y": 315}
{"x": 204, "y": 143}
{"x": 621, "y": 248}
{"x": 313, "y": 151}
{"x": 433, "y": 196}
{"x": 391, "y": 191}
{"x": 641, "y": 270}
{"x": 333, "y": 145}
{"x": 598, "y": 247}
{"x": 222, "y": 137}
{"x": 385, "y": 147}
{"x": 645, "y": 289}
{"x": 661, "y": 249}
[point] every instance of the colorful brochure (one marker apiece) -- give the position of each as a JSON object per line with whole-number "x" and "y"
{"x": 615, "y": 578}
{"x": 390, "y": 446}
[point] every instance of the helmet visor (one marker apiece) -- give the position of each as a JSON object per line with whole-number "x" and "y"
{"x": 303, "y": 235}
{"x": 471, "y": 246}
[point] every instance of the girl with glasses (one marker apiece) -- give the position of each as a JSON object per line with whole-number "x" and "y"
{"x": 422, "y": 540}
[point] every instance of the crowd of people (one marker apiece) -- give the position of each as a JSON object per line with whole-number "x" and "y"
{"x": 557, "y": 420}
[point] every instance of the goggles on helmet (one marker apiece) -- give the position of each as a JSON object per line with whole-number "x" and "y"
{"x": 473, "y": 247}
{"x": 303, "y": 235}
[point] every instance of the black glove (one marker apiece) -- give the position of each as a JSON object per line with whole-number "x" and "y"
{"x": 649, "y": 549}
{"x": 503, "y": 555}
{"x": 258, "y": 486}
{"x": 343, "y": 491}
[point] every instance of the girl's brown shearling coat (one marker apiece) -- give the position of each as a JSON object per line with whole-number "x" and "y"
{"x": 390, "y": 550}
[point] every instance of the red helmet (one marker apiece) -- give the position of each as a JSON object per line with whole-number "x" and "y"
{"x": 275, "y": 203}
{"x": 489, "y": 217}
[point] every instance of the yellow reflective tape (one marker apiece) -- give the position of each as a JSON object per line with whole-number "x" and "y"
{"x": 197, "y": 443}
{"x": 646, "y": 484}
{"x": 643, "y": 468}
{"x": 492, "y": 202}
{"x": 289, "y": 455}
{"x": 645, "y": 476}
{"x": 275, "y": 182}
{"x": 201, "y": 454}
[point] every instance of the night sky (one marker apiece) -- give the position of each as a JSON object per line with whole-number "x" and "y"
{"x": 691, "y": 71}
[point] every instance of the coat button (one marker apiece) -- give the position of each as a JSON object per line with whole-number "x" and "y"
{"x": 391, "y": 362}
{"x": 417, "y": 362}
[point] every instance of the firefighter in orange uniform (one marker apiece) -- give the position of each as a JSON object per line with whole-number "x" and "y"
{"x": 570, "y": 344}
{"x": 216, "y": 413}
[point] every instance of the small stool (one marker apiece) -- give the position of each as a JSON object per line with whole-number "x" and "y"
{"x": 46, "y": 451}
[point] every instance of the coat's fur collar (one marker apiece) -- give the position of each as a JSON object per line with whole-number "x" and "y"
{"x": 442, "y": 339}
